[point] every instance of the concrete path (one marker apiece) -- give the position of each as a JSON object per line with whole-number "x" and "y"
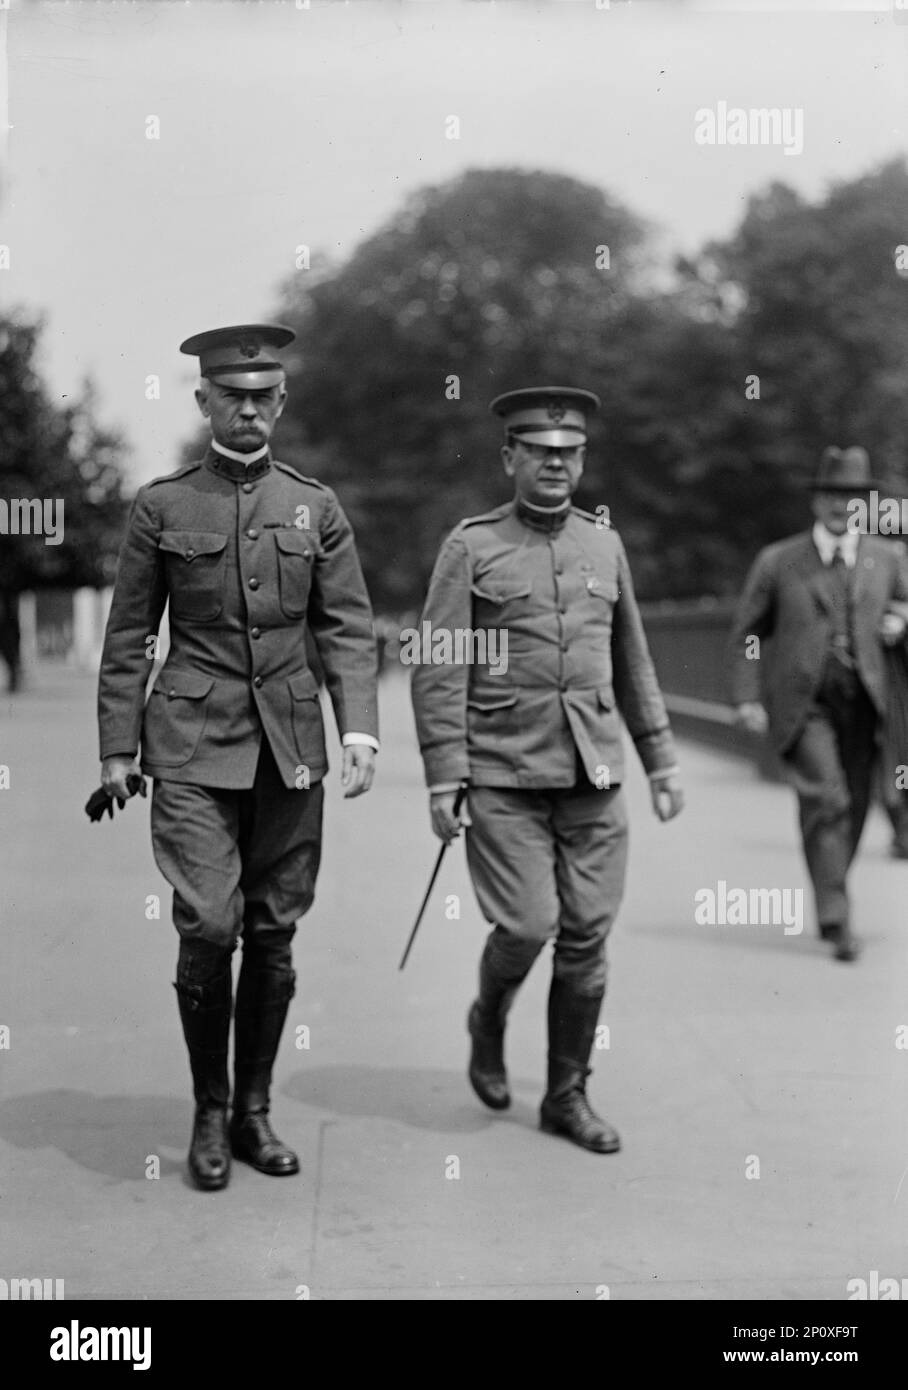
{"x": 728, "y": 1045}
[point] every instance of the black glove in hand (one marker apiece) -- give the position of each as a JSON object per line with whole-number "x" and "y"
{"x": 101, "y": 803}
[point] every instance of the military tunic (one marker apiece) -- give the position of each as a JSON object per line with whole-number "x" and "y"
{"x": 540, "y": 740}
{"x": 249, "y": 557}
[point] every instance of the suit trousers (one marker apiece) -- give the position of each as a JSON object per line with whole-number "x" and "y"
{"x": 239, "y": 861}
{"x": 831, "y": 765}
{"x": 551, "y": 864}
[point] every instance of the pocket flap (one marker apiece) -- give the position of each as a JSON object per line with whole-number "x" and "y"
{"x": 500, "y": 593}
{"x": 303, "y": 686}
{"x": 492, "y": 699}
{"x": 602, "y": 588}
{"x": 187, "y": 685}
{"x": 606, "y": 698}
{"x": 189, "y": 544}
{"x": 293, "y": 542}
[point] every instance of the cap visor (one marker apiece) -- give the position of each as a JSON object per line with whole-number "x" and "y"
{"x": 556, "y": 439}
{"x": 248, "y": 381}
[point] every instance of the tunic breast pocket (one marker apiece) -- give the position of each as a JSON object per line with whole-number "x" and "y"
{"x": 497, "y": 603}
{"x": 602, "y": 593}
{"x": 296, "y": 554}
{"x": 194, "y": 562}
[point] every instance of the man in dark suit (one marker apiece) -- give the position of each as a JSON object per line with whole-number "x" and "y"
{"x": 251, "y": 555}
{"x": 830, "y": 599}
{"x": 530, "y": 719}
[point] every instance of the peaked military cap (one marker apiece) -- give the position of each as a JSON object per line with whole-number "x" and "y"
{"x": 553, "y": 415}
{"x": 243, "y": 355}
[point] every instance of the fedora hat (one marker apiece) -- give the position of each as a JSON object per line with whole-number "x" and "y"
{"x": 844, "y": 470}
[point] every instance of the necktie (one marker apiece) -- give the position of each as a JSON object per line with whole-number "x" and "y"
{"x": 841, "y": 629}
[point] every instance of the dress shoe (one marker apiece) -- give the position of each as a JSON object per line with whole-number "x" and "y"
{"x": 209, "y": 1152}
{"x": 254, "y": 1141}
{"x": 845, "y": 946}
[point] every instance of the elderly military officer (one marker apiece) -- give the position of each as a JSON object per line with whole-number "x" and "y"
{"x": 250, "y": 554}
{"x": 537, "y": 738}
{"x": 830, "y": 599}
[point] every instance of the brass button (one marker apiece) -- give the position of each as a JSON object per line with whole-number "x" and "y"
{"x": 256, "y": 632}
{"x": 253, "y": 584}
{"x": 257, "y": 681}
{"x": 253, "y": 535}
{"x": 247, "y": 487}
{"x": 189, "y": 553}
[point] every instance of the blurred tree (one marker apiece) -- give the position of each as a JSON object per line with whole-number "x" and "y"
{"x": 720, "y": 386}
{"x": 478, "y": 286}
{"x": 811, "y": 299}
{"x": 58, "y": 453}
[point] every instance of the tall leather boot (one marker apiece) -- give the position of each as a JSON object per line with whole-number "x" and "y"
{"x": 205, "y": 1016}
{"x": 565, "y": 1108}
{"x": 262, "y": 1000}
{"x": 505, "y": 962}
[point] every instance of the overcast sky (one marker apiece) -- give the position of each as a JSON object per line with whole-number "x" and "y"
{"x": 281, "y": 126}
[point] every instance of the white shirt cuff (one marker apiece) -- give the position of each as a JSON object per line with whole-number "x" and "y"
{"x": 349, "y": 739}
{"x": 663, "y": 772}
{"x": 441, "y": 787}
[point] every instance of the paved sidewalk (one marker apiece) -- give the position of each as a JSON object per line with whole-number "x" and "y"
{"x": 727, "y": 1044}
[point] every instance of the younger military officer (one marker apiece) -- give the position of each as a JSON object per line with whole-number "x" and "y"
{"x": 250, "y": 555}
{"x": 539, "y": 743}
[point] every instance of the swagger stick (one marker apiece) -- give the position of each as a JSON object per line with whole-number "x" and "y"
{"x": 458, "y": 802}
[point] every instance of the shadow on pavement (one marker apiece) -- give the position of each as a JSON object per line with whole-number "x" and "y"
{"x": 422, "y": 1098}
{"x": 113, "y": 1135}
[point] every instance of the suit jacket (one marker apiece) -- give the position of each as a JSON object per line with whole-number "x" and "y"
{"x": 249, "y": 557}
{"x": 790, "y": 597}
{"x": 576, "y": 655}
